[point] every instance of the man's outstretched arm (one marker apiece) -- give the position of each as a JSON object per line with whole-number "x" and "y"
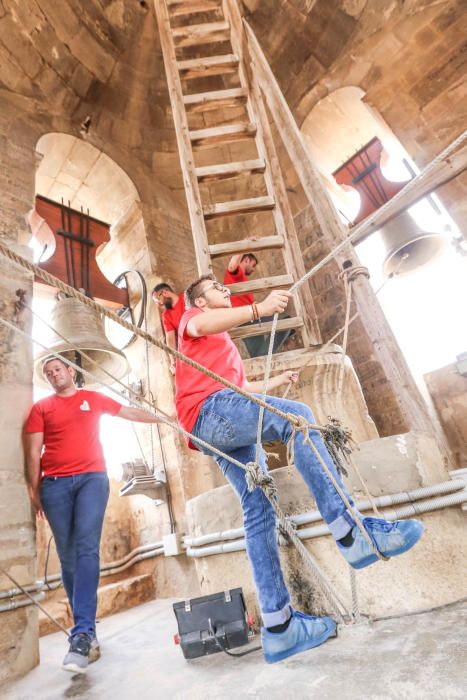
{"x": 220, "y": 320}
{"x": 136, "y": 415}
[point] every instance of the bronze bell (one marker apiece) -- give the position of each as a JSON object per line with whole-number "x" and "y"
{"x": 84, "y": 327}
{"x": 403, "y": 237}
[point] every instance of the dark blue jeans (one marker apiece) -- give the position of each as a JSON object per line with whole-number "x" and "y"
{"x": 229, "y": 422}
{"x": 75, "y": 507}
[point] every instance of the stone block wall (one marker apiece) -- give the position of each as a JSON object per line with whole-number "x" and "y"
{"x": 447, "y": 387}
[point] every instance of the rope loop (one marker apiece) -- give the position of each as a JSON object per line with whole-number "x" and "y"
{"x": 257, "y": 477}
{"x": 299, "y": 424}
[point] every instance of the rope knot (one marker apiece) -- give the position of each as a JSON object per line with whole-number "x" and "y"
{"x": 283, "y": 531}
{"x": 257, "y": 477}
{"x": 349, "y": 274}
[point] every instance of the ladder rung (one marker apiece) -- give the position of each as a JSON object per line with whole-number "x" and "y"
{"x": 195, "y": 34}
{"x": 226, "y": 170}
{"x": 218, "y": 134}
{"x": 265, "y": 243}
{"x": 259, "y": 284}
{"x": 239, "y": 206}
{"x": 210, "y": 65}
{"x": 255, "y": 329}
{"x": 215, "y": 99}
{"x": 185, "y": 7}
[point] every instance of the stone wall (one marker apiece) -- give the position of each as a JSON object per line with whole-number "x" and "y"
{"x": 447, "y": 387}
{"x": 18, "y": 642}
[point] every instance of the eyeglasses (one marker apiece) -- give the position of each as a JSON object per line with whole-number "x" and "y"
{"x": 217, "y": 286}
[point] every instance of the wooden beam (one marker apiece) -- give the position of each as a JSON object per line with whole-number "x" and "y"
{"x": 246, "y": 246}
{"x": 413, "y": 410}
{"x": 261, "y": 284}
{"x": 255, "y": 329}
{"x": 193, "y": 197}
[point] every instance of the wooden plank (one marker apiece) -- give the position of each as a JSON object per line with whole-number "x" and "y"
{"x": 224, "y": 171}
{"x": 195, "y": 207}
{"x": 260, "y": 284}
{"x": 178, "y": 9}
{"x": 246, "y": 246}
{"x": 238, "y": 206}
{"x": 210, "y": 65}
{"x": 197, "y": 34}
{"x": 215, "y": 99}
{"x": 204, "y": 138}
{"x": 255, "y": 329}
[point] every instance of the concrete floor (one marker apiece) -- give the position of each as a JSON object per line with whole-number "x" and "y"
{"x": 419, "y": 657}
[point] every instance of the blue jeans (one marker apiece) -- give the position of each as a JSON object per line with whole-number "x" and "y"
{"x": 229, "y": 422}
{"x": 75, "y": 507}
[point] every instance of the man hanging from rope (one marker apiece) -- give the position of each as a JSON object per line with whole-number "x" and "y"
{"x": 228, "y": 421}
{"x": 68, "y": 483}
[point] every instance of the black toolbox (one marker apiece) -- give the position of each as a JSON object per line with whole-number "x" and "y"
{"x": 212, "y": 623}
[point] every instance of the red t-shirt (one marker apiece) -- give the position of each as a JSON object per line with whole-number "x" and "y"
{"x": 232, "y": 278}
{"x": 71, "y": 431}
{"x": 171, "y": 317}
{"x": 216, "y": 352}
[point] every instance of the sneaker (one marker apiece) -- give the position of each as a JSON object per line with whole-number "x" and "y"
{"x": 77, "y": 658}
{"x": 94, "y": 650}
{"x": 390, "y": 538}
{"x": 304, "y": 632}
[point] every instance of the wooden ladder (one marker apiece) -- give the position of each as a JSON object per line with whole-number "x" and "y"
{"x": 203, "y": 37}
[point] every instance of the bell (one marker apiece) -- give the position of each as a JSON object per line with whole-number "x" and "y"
{"x": 83, "y": 327}
{"x": 402, "y": 237}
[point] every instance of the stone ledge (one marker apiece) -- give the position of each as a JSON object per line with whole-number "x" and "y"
{"x": 112, "y": 598}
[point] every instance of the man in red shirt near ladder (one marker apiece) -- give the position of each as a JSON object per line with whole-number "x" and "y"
{"x": 68, "y": 484}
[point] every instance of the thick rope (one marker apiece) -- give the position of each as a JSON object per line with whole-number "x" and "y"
{"x": 326, "y": 587}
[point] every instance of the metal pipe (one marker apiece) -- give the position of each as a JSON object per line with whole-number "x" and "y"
{"x": 12, "y": 592}
{"x": 455, "y": 484}
{"x": 13, "y": 604}
{"x": 140, "y": 553}
{"x": 322, "y": 530}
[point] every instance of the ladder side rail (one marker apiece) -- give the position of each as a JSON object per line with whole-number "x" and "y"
{"x": 182, "y": 131}
{"x": 274, "y": 183}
